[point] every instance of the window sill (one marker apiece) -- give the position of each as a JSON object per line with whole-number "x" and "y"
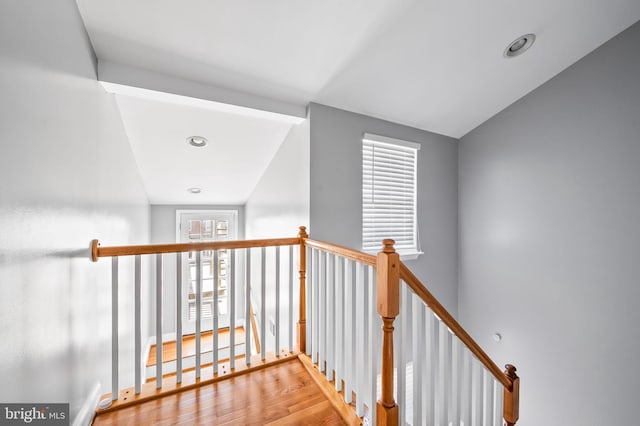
{"x": 404, "y": 255}
{"x": 410, "y": 255}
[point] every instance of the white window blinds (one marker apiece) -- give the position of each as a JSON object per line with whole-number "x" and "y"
{"x": 389, "y": 169}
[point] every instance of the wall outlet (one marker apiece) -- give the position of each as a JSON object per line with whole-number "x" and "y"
{"x": 272, "y": 326}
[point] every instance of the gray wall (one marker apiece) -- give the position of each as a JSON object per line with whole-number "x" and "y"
{"x": 67, "y": 175}
{"x": 336, "y": 191}
{"x": 277, "y": 207}
{"x": 550, "y": 240}
{"x": 163, "y": 220}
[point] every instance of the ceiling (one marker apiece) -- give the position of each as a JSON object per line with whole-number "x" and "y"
{"x": 240, "y": 147}
{"x": 434, "y": 65}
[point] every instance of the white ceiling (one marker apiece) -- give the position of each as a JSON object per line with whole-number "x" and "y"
{"x": 434, "y": 65}
{"x": 240, "y": 147}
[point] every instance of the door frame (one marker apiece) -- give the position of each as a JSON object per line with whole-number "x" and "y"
{"x": 206, "y": 323}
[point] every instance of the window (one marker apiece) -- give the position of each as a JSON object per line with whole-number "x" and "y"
{"x": 389, "y": 170}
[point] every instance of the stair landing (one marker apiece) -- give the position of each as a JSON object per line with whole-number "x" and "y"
{"x": 282, "y": 394}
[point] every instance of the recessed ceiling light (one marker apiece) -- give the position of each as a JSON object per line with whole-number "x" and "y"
{"x": 519, "y": 45}
{"x": 197, "y": 141}
{"x": 194, "y": 190}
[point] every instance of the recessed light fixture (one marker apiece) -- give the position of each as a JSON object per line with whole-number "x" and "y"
{"x": 194, "y": 190}
{"x": 519, "y": 45}
{"x": 197, "y": 141}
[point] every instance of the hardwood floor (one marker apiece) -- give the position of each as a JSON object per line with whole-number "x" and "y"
{"x": 189, "y": 345}
{"x": 284, "y": 394}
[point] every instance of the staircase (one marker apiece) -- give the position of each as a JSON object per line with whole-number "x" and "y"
{"x": 189, "y": 351}
{"x": 379, "y": 345}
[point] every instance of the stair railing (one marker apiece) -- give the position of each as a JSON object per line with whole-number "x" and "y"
{"x": 343, "y": 331}
{"x": 429, "y": 371}
{"x": 469, "y": 388}
{"x": 424, "y": 370}
{"x": 266, "y": 263}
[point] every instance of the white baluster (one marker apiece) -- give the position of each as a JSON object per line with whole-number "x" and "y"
{"x": 178, "y": 317}
{"x": 498, "y": 407}
{"x": 330, "y": 303}
{"x": 360, "y": 383}
{"x": 138, "y": 326}
{"x": 444, "y": 372}
{"x": 400, "y": 350}
{"x": 115, "y": 387}
{"x": 309, "y": 294}
{"x": 214, "y": 328}
{"x": 339, "y": 320}
{"x": 158, "y": 321}
{"x": 315, "y": 297}
{"x": 291, "y": 298}
{"x": 372, "y": 348}
{"x": 488, "y": 397}
{"x": 231, "y": 288}
{"x": 322, "y": 314}
{"x": 477, "y": 394}
{"x": 456, "y": 379}
{"x": 349, "y": 327}
{"x": 467, "y": 391}
{"x": 248, "y": 329}
{"x": 198, "y": 312}
{"x": 419, "y": 359}
{"x": 263, "y": 303}
{"x": 429, "y": 385}
{"x": 277, "y": 314}
{"x": 366, "y": 340}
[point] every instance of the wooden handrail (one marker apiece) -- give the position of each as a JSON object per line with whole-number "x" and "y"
{"x": 98, "y": 252}
{"x": 358, "y": 256}
{"x": 414, "y": 283}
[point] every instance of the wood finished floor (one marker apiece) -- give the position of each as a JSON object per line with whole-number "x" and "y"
{"x": 284, "y": 394}
{"x": 189, "y": 345}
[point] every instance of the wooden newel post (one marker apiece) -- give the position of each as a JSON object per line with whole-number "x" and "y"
{"x": 388, "y": 303}
{"x": 302, "y": 322}
{"x": 511, "y": 398}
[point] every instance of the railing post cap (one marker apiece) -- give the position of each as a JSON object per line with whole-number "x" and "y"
{"x": 387, "y": 246}
{"x": 510, "y": 371}
{"x": 303, "y": 232}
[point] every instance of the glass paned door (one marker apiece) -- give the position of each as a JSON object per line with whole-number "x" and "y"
{"x": 202, "y": 226}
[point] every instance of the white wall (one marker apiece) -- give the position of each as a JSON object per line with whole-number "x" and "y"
{"x": 280, "y": 202}
{"x": 550, "y": 240}
{"x": 277, "y": 207}
{"x": 336, "y": 191}
{"x": 67, "y": 175}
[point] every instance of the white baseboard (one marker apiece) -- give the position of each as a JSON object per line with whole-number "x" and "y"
{"x": 88, "y": 409}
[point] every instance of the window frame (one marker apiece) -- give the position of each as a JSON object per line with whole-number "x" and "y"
{"x": 402, "y": 147}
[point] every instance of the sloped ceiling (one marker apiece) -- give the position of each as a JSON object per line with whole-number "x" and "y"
{"x": 239, "y": 149}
